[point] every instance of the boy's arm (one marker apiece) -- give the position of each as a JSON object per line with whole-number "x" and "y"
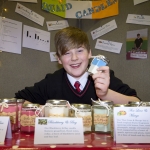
{"x": 108, "y": 87}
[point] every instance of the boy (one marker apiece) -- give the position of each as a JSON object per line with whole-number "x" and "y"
{"x": 73, "y": 51}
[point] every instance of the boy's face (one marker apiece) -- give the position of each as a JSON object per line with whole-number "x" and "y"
{"x": 75, "y": 61}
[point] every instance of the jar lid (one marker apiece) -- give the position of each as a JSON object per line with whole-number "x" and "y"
{"x": 30, "y": 105}
{"x": 8, "y": 100}
{"x": 82, "y": 106}
{"x": 134, "y": 103}
{"x": 121, "y": 105}
{"x": 20, "y": 100}
{"x": 103, "y": 102}
{"x": 57, "y": 102}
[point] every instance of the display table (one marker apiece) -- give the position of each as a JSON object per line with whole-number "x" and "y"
{"x": 22, "y": 141}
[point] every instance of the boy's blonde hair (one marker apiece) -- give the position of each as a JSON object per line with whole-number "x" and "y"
{"x": 69, "y": 38}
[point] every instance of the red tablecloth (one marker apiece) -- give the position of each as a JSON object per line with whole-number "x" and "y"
{"x": 23, "y": 141}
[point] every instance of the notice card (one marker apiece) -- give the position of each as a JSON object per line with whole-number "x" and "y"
{"x": 109, "y": 46}
{"x": 104, "y": 29}
{"x": 33, "y": 16}
{"x": 139, "y": 1}
{"x": 58, "y": 130}
{"x": 132, "y": 124}
{"x": 138, "y": 19}
{"x": 5, "y": 129}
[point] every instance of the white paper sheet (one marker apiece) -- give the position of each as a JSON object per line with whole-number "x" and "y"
{"x": 139, "y": 1}
{"x": 53, "y": 56}
{"x": 30, "y": 1}
{"x": 138, "y": 19}
{"x": 10, "y": 36}
{"x": 28, "y": 13}
{"x": 55, "y": 25}
{"x": 104, "y": 29}
{"x": 36, "y": 39}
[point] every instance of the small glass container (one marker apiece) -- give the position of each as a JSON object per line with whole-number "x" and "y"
{"x": 28, "y": 115}
{"x": 8, "y": 107}
{"x": 135, "y": 104}
{"x": 85, "y": 112}
{"x": 19, "y": 103}
{"x": 56, "y": 108}
{"x": 102, "y": 114}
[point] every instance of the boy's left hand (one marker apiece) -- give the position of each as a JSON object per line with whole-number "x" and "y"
{"x": 101, "y": 81}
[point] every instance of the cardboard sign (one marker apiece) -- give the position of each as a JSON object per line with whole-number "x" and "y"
{"x": 81, "y": 9}
{"x": 132, "y": 124}
{"x": 58, "y": 130}
{"x": 5, "y": 129}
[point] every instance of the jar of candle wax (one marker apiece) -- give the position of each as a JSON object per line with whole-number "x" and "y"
{"x": 19, "y": 103}
{"x": 8, "y": 107}
{"x": 83, "y": 111}
{"x": 27, "y": 118}
{"x": 56, "y": 108}
{"x": 102, "y": 111}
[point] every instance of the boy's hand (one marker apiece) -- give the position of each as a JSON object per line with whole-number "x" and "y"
{"x": 101, "y": 81}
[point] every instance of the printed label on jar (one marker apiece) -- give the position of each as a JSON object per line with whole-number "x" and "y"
{"x": 87, "y": 120}
{"x": 56, "y": 115}
{"x": 12, "y": 116}
{"x": 100, "y": 119}
{"x": 27, "y": 120}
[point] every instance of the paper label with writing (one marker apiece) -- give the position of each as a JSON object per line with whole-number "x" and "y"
{"x": 27, "y": 120}
{"x": 12, "y": 116}
{"x": 101, "y": 119}
{"x": 58, "y": 130}
{"x": 132, "y": 124}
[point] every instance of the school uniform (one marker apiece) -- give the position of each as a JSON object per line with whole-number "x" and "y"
{"x": 59, "y": 86}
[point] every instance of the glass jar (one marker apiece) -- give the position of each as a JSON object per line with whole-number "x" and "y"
{"x": 8, "y": 107}
{"x": 19, "y": 103}
{"x": 28, "y": 115}
{"x": 56, "y": 108}
{"x": 83, "y": 111}
{"x": 102, "y": 113}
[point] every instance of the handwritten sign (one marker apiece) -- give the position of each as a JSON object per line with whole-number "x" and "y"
{"x": 58, "y": 130}
{"x": 24, "y": 11}
{"x": 5, "y": 129}
{"x": 132, "y": 124}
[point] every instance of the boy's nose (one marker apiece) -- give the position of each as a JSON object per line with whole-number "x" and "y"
{"x": 74, "y": 56}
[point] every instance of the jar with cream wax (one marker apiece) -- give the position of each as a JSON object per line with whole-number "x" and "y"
{"x": 27, "y": 118}
{"x": 56, "y": 108}
{"x": 8, "y": 107}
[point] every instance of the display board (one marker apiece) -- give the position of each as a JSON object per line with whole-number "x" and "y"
{"x": 18, "y": 70}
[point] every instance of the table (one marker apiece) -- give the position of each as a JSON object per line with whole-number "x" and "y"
{"x": 94, "y": 141}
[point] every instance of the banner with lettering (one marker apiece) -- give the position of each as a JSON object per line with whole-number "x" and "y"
{"x": 81, "y": 9}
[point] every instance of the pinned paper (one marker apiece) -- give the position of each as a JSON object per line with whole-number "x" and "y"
{"x": 55, "y": 25}
{"x": 26, "y": 12}
{"x": 139, "y": 1}
{"x": 53, "y": 56}
{"x": 5, "y": 128}
{"x": 31, "y": 1}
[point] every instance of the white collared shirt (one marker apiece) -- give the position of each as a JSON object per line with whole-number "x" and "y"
{"x": 83, "y": 79}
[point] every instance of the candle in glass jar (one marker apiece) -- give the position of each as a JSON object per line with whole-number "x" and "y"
{"x": 27, "y": 119}
{"x": 8, "y": 107}
{"x": 56, "y": 108}
{"x": 84, "y": 112}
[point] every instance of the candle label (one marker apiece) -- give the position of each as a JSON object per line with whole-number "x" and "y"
{"x": 12, "y": 116}
{"x": 57, "y": 115}
{"x": 101, "y": 119}
{"x": 87, "y": 120}
{"x": 27, "y": 120}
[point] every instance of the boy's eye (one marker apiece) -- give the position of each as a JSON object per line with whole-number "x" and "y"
{"x": 80, "y": 50}
{"x": 67, "y": 53}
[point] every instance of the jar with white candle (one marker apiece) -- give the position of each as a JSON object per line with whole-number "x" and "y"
{"x": 83, "y": 111}
{"x": 102, "y": 111}
{"x": 8, "y": 107}
{"x": 28, "y": 114}
{"x": 56, "y": 108}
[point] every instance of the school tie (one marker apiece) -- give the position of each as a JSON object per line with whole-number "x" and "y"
{"x": 77, "y": 85}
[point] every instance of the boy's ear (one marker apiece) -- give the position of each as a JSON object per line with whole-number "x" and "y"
{"x": 59, "y": 61}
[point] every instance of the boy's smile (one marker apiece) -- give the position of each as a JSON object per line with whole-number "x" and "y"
{"x": 75, "y": 61}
